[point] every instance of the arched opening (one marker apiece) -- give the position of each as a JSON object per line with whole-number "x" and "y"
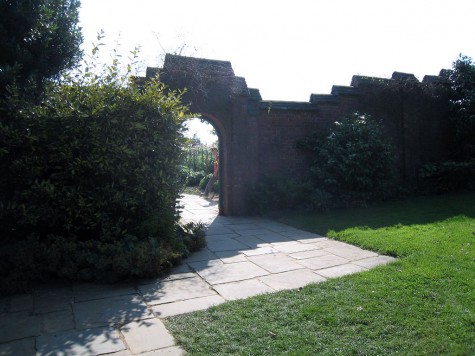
{"x": 202, "y": 135}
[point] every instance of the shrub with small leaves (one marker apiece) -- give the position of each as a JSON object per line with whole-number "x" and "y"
{"x": 353, "y": 161}
{"x": 94, "y": 178}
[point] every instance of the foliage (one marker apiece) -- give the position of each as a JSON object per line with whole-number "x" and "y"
{"x": 354, "y": 161}
{"x": 91, "y": 178}
{"x": 458, "y": 172}
{"x": 38, "y": 39}
{"x": 204, "y": 182}
{"x": 274, "y": 193}
{"x": 193, "y": 178}
{"x": 194, "y": 236}
{"x": 198, "y": 159}
{"x": 448, "y": 176}
{"x": 462, "y": 81}
{"x": 197, "y": 165}
{"x": 422, "y": 304}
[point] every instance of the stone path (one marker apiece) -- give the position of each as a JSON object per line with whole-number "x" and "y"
{"x": 244, "y": 257}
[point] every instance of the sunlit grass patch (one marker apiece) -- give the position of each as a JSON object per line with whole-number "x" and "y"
{"x": 424, "y": 303}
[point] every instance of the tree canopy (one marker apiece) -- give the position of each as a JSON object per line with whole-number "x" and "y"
{"x": 38, "y": 39}
{"x": 462, "y": 81}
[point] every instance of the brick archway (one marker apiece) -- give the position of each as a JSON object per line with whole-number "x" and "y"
{"x": 215, "y": 93}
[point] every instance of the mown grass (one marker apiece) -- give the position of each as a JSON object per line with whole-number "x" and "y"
{"x": 422, "y": 304}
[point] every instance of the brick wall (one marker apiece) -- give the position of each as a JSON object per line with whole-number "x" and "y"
{"x": 258, "y": 138}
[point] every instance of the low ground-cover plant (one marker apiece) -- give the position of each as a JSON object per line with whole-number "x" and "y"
{"x": 422, "y": 304}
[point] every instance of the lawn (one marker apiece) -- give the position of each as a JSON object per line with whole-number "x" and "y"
{"x": 422, "y": 304}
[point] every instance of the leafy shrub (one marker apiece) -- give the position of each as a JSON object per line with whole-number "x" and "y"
{"x": 353, "y": 162}
{"x": 198, "y": 159}
{"x": 91, "y": 179}
{"x": 193, "y": 178}
{"x": 462, "y": 83}
{"x": 448, "y": 176}
{"x": 111, "y": 261}
{"x": 458, "y": 172}
{"x": 204, "y": 182}
{"x": 275, "y": 193}
{"x": 194, "y": 236}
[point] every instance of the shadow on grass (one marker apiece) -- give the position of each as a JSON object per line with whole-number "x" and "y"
{"x": 414, "y": 211}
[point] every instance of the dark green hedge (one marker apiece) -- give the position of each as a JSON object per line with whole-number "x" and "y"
{"x": 90, "y": 181}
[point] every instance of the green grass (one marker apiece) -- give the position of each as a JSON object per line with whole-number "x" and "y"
{"x": 422, "y": 304}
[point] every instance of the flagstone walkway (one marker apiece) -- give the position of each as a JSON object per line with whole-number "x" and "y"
{"x": 244, "y": 257}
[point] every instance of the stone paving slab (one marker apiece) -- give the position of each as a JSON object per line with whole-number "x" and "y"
{"x": 169, "y": 351}
{"x": 291, "y": 279}
{"x": 221, "y": 237}
{"x": 273, "y": 237}
{"x": 226, "y": 245}
{"x": 85, "y": 342}
{"x": 251, "y": 241}
{"x": 175, "y": 290}
{"x": 84, "y": 291}
{"x": 61, "y": 320}
{"x": 231, "y": 256}
{"x": 351, "y": 252}
{"x": 175, "y": 276}
{"x": 310, "y": 240}
{"x": 25, "y": 325}
{"x": 308, "y": 254}
{"x": 242, "y": 289}
{"x": 342, "y": 270}
{"x": 23, "y": 347}
{"x": 292, "y": 247}
{"x": 109, "y": 311}
{"x": 202, "y": 255}
{"x": 22, "y": 302}
{"x": 275, "y": 262}
{"x": 299, "y": 234}
{"x": 52, "y": 299}
{"x": 220, "y": 230}
{"x": 4, "y": 304}
{"x": 321, "y": 262}
{"x": 261, "y": 250}
{"x": 146, "y": 335}
{"x": 186, "y": 306}
{"x": 225, "y": 273}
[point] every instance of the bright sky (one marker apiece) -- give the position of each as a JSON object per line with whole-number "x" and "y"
{"x": 203, "y": 130}
{"x": 290, "y": 49}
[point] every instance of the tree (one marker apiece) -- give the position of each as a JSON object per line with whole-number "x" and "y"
{"x": 38, "y": 39}
{"x": 458, "y": 172}
{"x": 462, "y": 81}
